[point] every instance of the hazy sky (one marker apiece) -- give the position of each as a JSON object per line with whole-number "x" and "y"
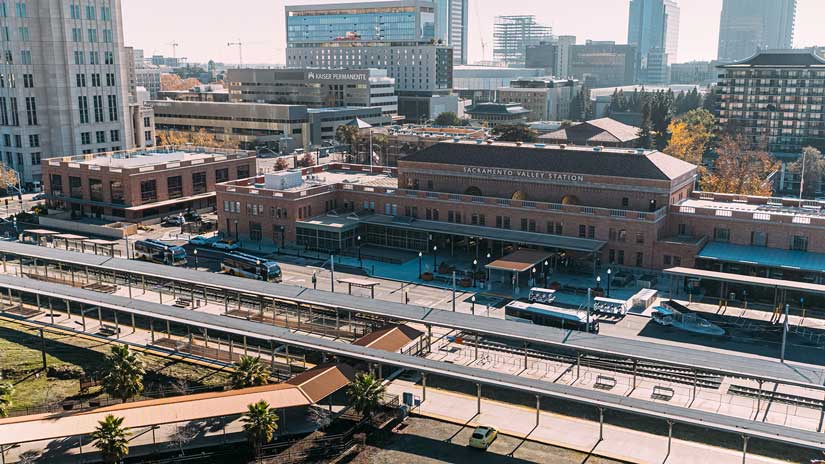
{"x": 203, "y": 27}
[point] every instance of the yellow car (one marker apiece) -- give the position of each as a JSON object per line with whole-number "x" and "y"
{"x": 483, "y": 436}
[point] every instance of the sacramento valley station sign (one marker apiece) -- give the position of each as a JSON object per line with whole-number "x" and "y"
{"x": 522, "y": 174}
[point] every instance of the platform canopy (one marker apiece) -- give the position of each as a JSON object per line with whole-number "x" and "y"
{"x": 519, "y": 261}
{"x": 747, "y": 280}
{"x": 762, "y": 256}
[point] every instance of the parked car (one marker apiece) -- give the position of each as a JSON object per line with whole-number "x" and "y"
{"x": 176, "y": 220}
{"x": 39, "y": 196}
{"x": 200, "y": 240}
{"x": 482, "y": 437}
{"x": 226, "y": 245}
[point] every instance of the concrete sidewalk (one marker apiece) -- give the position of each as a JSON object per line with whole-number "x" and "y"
{"x": 568, "y": 432}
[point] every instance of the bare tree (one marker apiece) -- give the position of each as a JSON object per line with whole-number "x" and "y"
{"x": 183, "y": 435}
{"x": 321, "y": 416}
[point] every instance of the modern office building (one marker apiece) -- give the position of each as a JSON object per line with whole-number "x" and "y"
{"x": 251, "y": 125}
{"x": 64, "y": 85}
{"x": 315, "y": 87}
{"x": 203, "y": 92}
{"x": 494, "y": 114}
{"x": 139, "y": 184}
{"x": 481, "y": 83}
{"x": 748, "y": 26}
{"x": 602, "y": 64}
{"x": 148, "y": 77}
{"x": 398, "y": 36}
{"x": 694, "y": 72}
{"x": 143, "y": 125}
{"x": 513, "y": 34}
{"x": 778, "y": 96}
{"x": 451, "y": 27}
{"x": 589, "y": 208}
{"x": 545, "y": 98}
{"x": 653, "y": 27}
{"x": 543, "y": 56}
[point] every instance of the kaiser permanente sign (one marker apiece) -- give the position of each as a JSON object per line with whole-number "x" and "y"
{"x": 523, "y": 174}
{"x": 338, "y": 76}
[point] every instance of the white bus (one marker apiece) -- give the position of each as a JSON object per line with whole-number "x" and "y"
{"x": 540, "y": 314}
{"x": 159, "y": 252}
{"x": 251, "y": 267}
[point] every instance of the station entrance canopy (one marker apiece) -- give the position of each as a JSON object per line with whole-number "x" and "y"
{"x": 519, "y": 261}
{"x": 747, "y": 280}
{"x": 489, "y": 233}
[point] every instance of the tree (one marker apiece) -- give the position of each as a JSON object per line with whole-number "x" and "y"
{"x": 174, "y": 82}
{"x": 250, "y": 372}
{"x": 112, "y": 439}
{"x": 814, "y": 164}
{"x": 580, "y": 108}
{"x": 260, "y": 423}
{"x": 365, "y": 393}
{"x": 183, "y": 435}
{"x": 645, "y": 133}
{"x": 346, "y": 135}
{"x": 691, "y": 135}
{"x": 514, "y": 133}
{"x": 306, "y": 161}
{"x": 200, "y": 139}
{"x": 6, "y": 390}
{"x": 447, "y": 118}
{"x": 281, "y": 164}
{"x": 124, "y": 373}
{"x": 380, "y": 142}
{"x": 739, "y": 169}
{"x": 322, "y": 417}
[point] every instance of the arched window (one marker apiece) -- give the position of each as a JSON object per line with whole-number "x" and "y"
{"x": 570, "y": 200}
{"x": 473, "y": 191}
{"x": 519, "y": 195}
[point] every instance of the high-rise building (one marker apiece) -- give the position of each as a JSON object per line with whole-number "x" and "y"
{"x": 653, "y": 27}
{"x": 513, "y": 34}
{"x": 777, "y": 97}
{"x": 547, "y": 99}
{"x": 64, "y": 59}
{"x": 748, "y": 26}
{"x": 398, "y": 36}
{"x": 451, "y": 27}
{"x": 603, "y": 63}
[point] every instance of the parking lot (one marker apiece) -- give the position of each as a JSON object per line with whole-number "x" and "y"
{"x": 424, "y": 441}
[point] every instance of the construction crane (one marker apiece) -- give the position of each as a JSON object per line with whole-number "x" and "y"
{"x": 175, "y": 46}
{"x": 238, "y": 44}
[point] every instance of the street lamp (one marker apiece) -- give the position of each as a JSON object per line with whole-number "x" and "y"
{"x": 236, "y": 230}
{"x": 489, "y": 284}
{"x": 359, "y": 249}
{"x": 609, "y": 271}
{"x": 598, "y": 282}
{"x": 473, "y": 305}
{"x": 546, "y": 272}
{"x": 533, "y": 275}
{"x": 435, "y": 256}
{"x": 196, "y": 257}
{"x": 475, "y": 264}
{"x": 420, "y": 256}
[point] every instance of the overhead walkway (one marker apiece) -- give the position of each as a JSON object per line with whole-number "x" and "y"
{"x": 700, "y": 360}
{"x": 480, "y": 377}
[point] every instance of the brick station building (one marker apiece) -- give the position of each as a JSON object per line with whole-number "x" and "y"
{"x": 591, "y": 207}
{"x": 135, "y": 185}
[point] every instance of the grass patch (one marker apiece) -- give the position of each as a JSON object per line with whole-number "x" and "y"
{"x": 21, "y": 363}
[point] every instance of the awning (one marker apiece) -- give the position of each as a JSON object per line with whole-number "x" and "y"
{"x": 358, "y": 282}
{"x": 490, "y": 233}
{"x": 70, "y": 237}
{"x": 40, "y": 232}
{"x": 322, "y": 381}
{"x": 762, "y": 256}
{"x": 391, "y": 338}
{"x": 747, "y": 280}
{"x": 519, "y": 261}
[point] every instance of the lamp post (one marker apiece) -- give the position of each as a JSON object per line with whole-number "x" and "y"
{"x": 196, "y": 257}
{"x": 475, "y": 265}
{"x": 488, "y": 270}
{"x": 546, "y": 272}
{"x": 609, "y": 271}
{"x": 420, "y": 256}
{"x": 473, "y": 305}
{"x": 435, "y": 257}
{"x": 359, "y": 249}
{"x": 598, "y": 282}
{"x": 533, "y": 275}
{"x": 236, "y": 230}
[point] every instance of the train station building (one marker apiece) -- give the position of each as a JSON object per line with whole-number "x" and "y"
{"x": 590, "y": 207}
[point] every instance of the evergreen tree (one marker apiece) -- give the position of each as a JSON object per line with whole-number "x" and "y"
{"x": 112, "y": 439}
{"x": 124, "y": 373}
{"x": 249, "y": 372}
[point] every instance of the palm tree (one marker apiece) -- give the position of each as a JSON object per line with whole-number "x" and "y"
{"x": 249, "y": 372}
{"x": 260, "y": 422}
{"x": 365, "y": 392}
{"x": 124, "y": 373}
{"x": 6, "y": 390}
{"x": 112, "y": 439}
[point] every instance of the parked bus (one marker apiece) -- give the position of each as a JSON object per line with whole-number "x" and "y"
{"x": 159, "y": 252}
{"x": 252, "y": 267}
{"x": 540, "y": 314}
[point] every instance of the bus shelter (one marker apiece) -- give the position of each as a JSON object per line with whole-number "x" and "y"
{"x": 99, "y": 246}
{"x": 37, "y": 236}
{"x": 70, "y": 242}
{"x": 359, "y": 283}
{"x": 519, "y": 269}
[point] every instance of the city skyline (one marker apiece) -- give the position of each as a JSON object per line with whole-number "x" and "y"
{"x": 205, "y": 35}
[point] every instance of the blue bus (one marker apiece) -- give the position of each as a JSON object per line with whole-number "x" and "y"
{"x": 540, "y": 314}
{"x": 251, "y": 267}
{"x": 159, "y": 252}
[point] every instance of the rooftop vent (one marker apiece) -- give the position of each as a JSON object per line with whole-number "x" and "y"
{"x": 640, "y": 151}
{"x": 539, "y": 145}
{"x": 489, "y": 142}
{"x": 518, "y": 144}
{"x": 562, "y": 146}
{"x": 456, "y": 139}
{"x": 597, "y": 149}
{"x": 478, "y": 141}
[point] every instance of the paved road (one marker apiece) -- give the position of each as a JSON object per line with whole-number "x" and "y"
{"x": 423, "y": 441}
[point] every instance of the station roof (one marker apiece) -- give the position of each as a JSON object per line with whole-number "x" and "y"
{"x": 391, "y": 338}
{"x": 747, "y": 280}
{"x": 758, "y": 429}
{"x": 609, "y": 162}
{"x": 519, "y": 260}
{"x": 491, "y": 233}
{"x": 763, "y": 256}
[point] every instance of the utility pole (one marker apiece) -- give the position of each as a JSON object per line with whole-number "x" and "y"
{"x": 238, "y": 44}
